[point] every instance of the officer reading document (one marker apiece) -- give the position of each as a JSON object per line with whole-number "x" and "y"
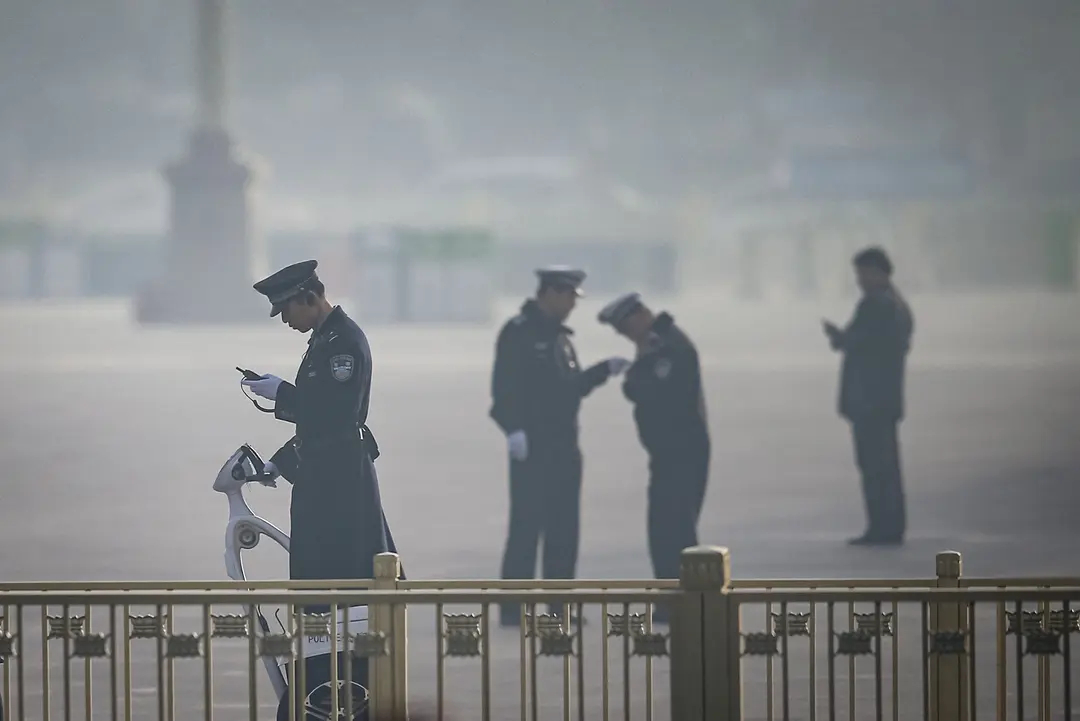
{"x": 536, "y": 388}
{"x": 336, "y": 515}
{"x": 664, "y": 385}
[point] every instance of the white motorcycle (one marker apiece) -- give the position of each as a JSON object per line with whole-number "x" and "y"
{"x": 243, "y": 533}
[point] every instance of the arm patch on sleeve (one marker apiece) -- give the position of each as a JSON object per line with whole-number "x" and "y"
{"x": 342, "y": 367}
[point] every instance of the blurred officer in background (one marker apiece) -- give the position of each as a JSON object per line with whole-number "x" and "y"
{"x": 536, "y": 387}
{"x": 664, "y": 386}
{"x": 875, "y": 345}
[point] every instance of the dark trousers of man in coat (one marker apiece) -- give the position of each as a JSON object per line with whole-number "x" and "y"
{"x": 877, "y": 455}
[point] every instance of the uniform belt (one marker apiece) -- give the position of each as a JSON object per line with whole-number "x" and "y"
{"x": 316, "y": 443}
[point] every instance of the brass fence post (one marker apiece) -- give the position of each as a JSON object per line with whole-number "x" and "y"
{"x": 948, "y": 672}
{"x": 705, "y": 641}
{"x": 388, "y": 672}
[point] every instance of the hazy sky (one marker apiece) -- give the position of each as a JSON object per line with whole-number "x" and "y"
{"x": 349, "y": 96}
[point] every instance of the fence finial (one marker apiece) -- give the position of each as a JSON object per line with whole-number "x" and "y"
{"x": 387, "y": 567}
{"x": 948, "y": 564}
{"x": 705, "y": 568}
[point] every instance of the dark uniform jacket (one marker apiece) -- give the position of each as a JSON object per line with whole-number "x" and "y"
{"x": 337, "y": 520}
{"x": 664, "y": 384}
{"x": 537, "y": 383}
{"x": 875, "y": 345}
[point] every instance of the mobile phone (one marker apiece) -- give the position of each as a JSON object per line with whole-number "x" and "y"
{"x": 249, "y": 375}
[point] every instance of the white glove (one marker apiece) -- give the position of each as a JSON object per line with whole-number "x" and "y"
{"x": 518, "y": 445}
{"x": 270, "y": 469}
{"x": 265, "y": 387}
{"x": 617, "y": 365}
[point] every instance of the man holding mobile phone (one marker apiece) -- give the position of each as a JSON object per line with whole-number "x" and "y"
{"x": 337, "y": 524}
{"x": 336, "y": 516}
{"x": 875, "y": 345}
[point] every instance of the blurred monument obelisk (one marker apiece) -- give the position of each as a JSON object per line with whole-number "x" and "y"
{"x": 207, "y": 272}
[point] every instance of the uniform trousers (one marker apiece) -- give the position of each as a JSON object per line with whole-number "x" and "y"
{"x": 545, "y": 507}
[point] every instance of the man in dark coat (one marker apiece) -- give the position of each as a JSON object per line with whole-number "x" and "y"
{"x": 337, "y": 520}
{"x": 537, "y": 386}
{"x": 875, "y": 345}
{"x": 664, "y": 385}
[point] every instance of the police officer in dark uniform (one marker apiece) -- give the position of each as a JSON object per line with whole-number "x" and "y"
{"x": 336, "y": 515}
{"x": 537, "y": 386}
{"x": 664, "y": 385}
{"x": 875, "y": 345}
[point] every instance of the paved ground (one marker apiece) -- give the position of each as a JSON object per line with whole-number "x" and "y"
{"x": 110, "y": 436}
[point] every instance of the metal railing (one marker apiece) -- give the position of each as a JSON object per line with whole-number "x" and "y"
{"x": 970, "y": 648}
{"x": 734, "y": 649}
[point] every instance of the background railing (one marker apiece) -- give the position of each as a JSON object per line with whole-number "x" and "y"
{"x": 943, "y": 647}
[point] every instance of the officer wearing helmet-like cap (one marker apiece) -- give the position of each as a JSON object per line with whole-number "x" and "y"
{"x": 537, "y": 386}
{"x": 337, "y": 521}
{"x": 664, "y": 385}
{"x": 562, "y": 277}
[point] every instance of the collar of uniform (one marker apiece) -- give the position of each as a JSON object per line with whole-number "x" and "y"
{"x": 326, "y": 326}
{"x": 330, "y": 320}
{"x": 662, "y": 323}
{"x": 531, "y": 310}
